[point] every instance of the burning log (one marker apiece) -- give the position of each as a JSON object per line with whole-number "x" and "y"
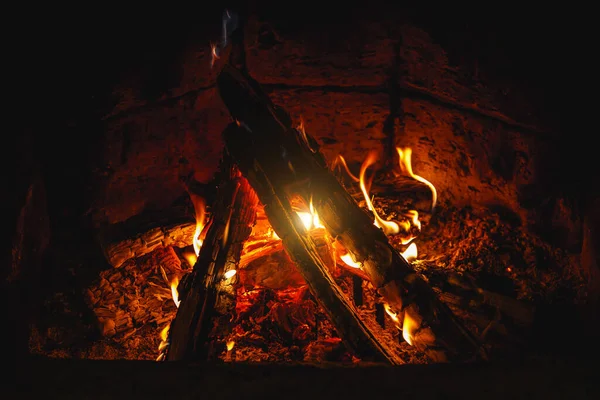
{"x": 281, "y": 162}
{"x": 208, "y": 286}
{"x": 303, "y": 251}
{"x": 142, "y": 234}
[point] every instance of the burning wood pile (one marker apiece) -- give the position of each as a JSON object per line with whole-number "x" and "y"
{"x": 294, "y": 260}
{"x": 286, "y": 257}
{"x": 318, "y": 223}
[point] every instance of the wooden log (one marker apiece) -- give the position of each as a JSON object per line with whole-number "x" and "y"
{"x": 273, "y": 154}
{"x": 143, "y": 233}
{"x": 301, "y": 248}
{"x": 231, "y": 223}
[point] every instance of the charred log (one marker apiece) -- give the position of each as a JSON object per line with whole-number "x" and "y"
{"x": 281, "y": 162}
{"x": 207, "y": 286}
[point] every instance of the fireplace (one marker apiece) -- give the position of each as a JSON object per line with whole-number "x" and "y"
{"x": 451, "y": 148}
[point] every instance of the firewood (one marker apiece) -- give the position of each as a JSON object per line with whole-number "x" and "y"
{"x": 143, "y": 233}
{"x": 302, "y": 250}
{"x": 231, "y": 223}
{"x": 281, "y": 162}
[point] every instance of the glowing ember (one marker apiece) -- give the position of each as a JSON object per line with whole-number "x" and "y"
{"x": 410, "y": 254}
{"x": 406, "y": 167}
{"x": 230, "y": 345}
{"x": 230, "y": 274}
{"x": 388, "y": 227}
{"x": 348, "y": 260}
{"x": 174, "y": 292}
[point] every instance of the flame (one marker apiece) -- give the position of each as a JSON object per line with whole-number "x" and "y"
{"x": 174, "y": 292}
{"x": 409, "y": 327}
{"x": 164, "y": 333}
{"x": 410, "y": 254}
{"x": 230, "y": 274}
{"x": 388, "y": 227}
{"x": 200, "y": 208}
{"x": 406, "y": 167}
{"x": 310, "y": 219}
{"x": 214, "y": 56}
{"x": 347, "y": 258}
{"x": 340, "y": 160}
{"x": 230, "y": 345}
{"x": 190, "y": 257}
{"x": 164, "y": 341}
{"x": 393, "y": 315}
{"x": 300, "y": 129}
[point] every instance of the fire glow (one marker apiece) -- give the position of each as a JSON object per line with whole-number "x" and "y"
{"x": 405, "y": 229}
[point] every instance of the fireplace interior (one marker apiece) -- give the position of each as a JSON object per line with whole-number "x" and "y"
{"x": 453, "y": 134}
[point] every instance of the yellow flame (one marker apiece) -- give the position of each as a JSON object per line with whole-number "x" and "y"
{"x": 310, "y": 219}
{"x": 230, "y": 274}
{"x": 347, "y": 258}
{"x": 200, "y": 208}
{"x": 306, "y": 219}
{"x": 410, "y": 254}
{"x": 164, "y": 333}
{"x": 409, "y": 326}
{"x": 406, "y": 167}
{"x": 230, "y": 345}
{"x": 392, "y": 314}
{"x": 388, "y": 227}
{"x": 174, "y": 292}
{"x": 190, "y": 257}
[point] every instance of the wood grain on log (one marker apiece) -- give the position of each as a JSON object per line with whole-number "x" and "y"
{"x": 144, "y": 233}
{"x": 280, "y": 162}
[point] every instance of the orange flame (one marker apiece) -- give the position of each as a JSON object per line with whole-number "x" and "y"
{"x": 300, "y": 129}
{"x": 340, "y": 160}
{"x": 230, "y": 345}
{"x": 406, "y": 167}
{"x": 200, "y": 208}
{"x": 214, "y": 55}
{"x": 410, "y": 254}
{"x": 388, "y": 227}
